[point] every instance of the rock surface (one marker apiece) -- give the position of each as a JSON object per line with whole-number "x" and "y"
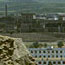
{"x": 14, "y": 52}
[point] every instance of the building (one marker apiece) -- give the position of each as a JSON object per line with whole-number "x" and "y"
{"x": 61, "y": 16}
{"x": 39, "y": 16}
{"x": 48, "y": 56}
{"x": 41, "y": 23}
{"x": 27, "y": 17}
{"x": 46, "y": 16}
{"x": 52, "y": 17}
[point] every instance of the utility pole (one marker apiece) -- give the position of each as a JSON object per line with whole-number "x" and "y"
{"x": 5, "y": 10}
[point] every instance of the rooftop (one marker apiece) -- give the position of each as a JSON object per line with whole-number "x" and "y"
{"x": 47, "y": 48}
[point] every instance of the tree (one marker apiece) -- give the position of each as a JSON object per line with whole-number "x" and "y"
{"x": 60, "y": 44}
{"x": 40, "y": 45}
{"x": 36, "y": 44}
{"x": 11, "y": 32}
{"x": 45, "y": 45}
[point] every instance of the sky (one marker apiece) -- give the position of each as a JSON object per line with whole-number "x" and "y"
{"x": 47, "y": 1}
{"x": 4, "y": 0}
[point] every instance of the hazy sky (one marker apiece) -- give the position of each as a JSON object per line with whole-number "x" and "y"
{"x": 4, "y": 0}
{"x": 48, "y": 1}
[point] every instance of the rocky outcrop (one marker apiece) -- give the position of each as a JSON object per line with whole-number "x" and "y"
{"x": 14, "y": 52}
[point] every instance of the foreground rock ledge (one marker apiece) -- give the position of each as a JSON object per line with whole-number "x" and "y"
{"x": 14, "y": 52}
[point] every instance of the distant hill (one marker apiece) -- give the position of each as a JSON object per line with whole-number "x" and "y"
{"x": 38, "y": 6}
{"x": 45, "y": 1}
{"x": 17, "y": 0}
{"x": 51, "y": 1}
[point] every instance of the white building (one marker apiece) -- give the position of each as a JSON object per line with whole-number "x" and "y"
{"x": 39, "y": 16}
{"x": 52, "y": 17}
{"x": 46, "y": 17}
{"x": 44, "y": 56}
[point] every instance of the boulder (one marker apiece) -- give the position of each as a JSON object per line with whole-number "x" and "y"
{"x": 14, "y": 52}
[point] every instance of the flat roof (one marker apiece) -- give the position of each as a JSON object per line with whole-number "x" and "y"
{"x": 46, "y": 48}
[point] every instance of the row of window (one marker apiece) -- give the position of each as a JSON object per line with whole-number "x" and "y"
{"x": 49, "y": 56}
{"x": 46, "y": 51}
{"x": 54, "y": 62}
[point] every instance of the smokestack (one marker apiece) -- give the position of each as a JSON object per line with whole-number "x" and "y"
{"x": 6, "y": 10}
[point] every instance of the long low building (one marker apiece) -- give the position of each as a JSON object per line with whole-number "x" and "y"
{"x": 48, "y": 56}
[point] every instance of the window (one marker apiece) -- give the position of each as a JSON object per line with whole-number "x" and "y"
{"x": 56, "y": 56}
{"x": 56, "y": 51}
{"x": 48, "y": 56}
{"x": 63, "y": 62}
{"x": 39, "y": 62}
{"x": 44, "y": 52}
{"x": 61, "y": 56}
{"x": 48, "y": 51}
{"x": 52, "y": 51}
{"x": 40, "y": 56}
{"x": 44, "y": 62}
{"x": 60, "y": 51}
{"x": 44, "y": 56}
{"x": 35, "y": 51}
{"x": 52, "y": 56}
{"x": 31, "y": 51}
{"x": 54, "y": 62}
{"x": 39, "y": 51}
{"x": 59, "y": 62}
{"x": 50, "y": 63}
{"x": 36, "y": 56}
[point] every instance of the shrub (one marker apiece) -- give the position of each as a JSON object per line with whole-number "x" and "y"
{"x": 60, "y": 44}
{"x": 45, "y": 45}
